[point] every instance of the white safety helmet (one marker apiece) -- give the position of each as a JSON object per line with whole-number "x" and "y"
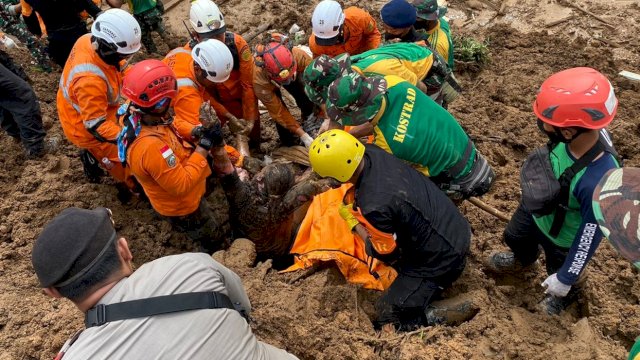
{"x": 205, "y": 17}
{"x": 119, "y": 28}
{"x": 327, "y": 19}
{"x": 214, "y": 58}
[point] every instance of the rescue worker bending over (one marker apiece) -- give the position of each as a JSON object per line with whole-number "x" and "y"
{"x": 414, "y": 63}
{"x": 279, "y": 67}
{"x": 234, "y": 99}
{"x": 197, "y": 71}
{"x": 431, "y": 21}
{"x": 398, "y": 18}
{"x": 335, "y": 32}
{"x": 89, "y": 91}
{"x": 573, "y": 108}
{"x": 408, "y": 124}
{"x": 172, "y": 172}
{"x": 404, "y": 220}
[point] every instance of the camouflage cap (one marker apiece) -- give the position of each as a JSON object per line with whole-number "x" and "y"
{"x": 616, "y": 205}
{"x": 321, "y": 72}
{"x": 355, "y": 99}
{"x": 428, "y": 9}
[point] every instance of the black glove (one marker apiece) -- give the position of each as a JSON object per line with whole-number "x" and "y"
{"x": 211, "y": 137}
{"x": 196, "y": 133}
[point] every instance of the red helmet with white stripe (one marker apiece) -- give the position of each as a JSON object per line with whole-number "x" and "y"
{"x": 580, "y": 97}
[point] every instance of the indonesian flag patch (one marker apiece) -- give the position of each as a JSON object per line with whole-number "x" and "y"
{"x": 168, "y": 156}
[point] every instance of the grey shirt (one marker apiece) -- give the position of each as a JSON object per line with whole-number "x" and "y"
{"x": 198, "y": 334}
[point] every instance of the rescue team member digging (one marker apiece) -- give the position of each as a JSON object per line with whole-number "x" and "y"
{"x": 404, "y": 220}
{"x": 408, "y": 124}
{"x": 335, "y": 32}
{"x": 558, "y": 182}
{"x": 412, "y": 62}
{"x": 398, "y": 17}
{"x": 279, "y": 67}
{"x": 89, "y": 91}
{"x": 430, "y": 19}
{"x": 185, "y": 306}
{"x": 235, "y": 99}
{"x": 172, "y": 172}
{"x": 197, "y": 71}
{"x": 617, "y": 209}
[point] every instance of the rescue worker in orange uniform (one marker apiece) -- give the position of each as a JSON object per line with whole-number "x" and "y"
{"x": 278, "y": 67}
{"x": 172, "y": 172}
{"x": 89, "y": 91}
{"x": 233, "y": 100}
{"x": 335, "y": 32}
{"x": 197, "y": 71}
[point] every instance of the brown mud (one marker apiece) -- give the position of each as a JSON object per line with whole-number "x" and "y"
{"x": 317, "y": 315}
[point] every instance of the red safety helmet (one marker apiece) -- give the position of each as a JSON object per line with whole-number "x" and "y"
{"x": 148, "y": 83}
{"x": 580, "y": 97}
{"x": 278, "y": 60}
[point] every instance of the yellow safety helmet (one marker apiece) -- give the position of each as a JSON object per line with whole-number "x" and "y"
{"x": 336, "y": 154}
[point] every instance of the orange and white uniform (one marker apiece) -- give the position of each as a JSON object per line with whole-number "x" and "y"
{"x": 360, "y": 33}
{"x": 172, "y": 174}
{"x": 266, "y": 91}
{"x": 191, "y": 95}
{"x": 87, "y": 101}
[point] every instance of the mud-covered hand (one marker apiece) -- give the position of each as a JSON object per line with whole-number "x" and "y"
{"x": 346, "y": 214}
{"x": 211, "y": 137}
{"x": 238, "y": 126}
{"x": 555, "y": 287}
{"x": 306, "y": 140}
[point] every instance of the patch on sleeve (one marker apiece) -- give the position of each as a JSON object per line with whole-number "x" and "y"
{"x": 245, "y": 54}
{"x": 168, "y": 156}
{"x": 370, "y": 27}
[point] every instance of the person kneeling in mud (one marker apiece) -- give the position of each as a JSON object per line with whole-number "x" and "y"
{"x": 172, "y": 171}
{"x": 405, "y": 221}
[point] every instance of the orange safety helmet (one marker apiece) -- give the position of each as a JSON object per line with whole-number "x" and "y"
{"x": 149, "y": 83}
{"x": 580, "y": 97}
{"x": 277, "y": 59}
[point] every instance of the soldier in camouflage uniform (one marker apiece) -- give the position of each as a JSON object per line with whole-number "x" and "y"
{"x": 12, "y": 24}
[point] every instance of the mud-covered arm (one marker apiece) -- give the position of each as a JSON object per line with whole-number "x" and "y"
{"x": 265, "y": 91}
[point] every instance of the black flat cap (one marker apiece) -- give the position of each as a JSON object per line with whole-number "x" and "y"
{"x": 71, "y": 244}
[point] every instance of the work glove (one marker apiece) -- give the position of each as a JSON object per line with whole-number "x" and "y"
{"x": 238, "y": 126}
{"x": 347, "y": 215}
{"x": 196, "y": 132}
{"x": 8, "y": 42}
{"x": 211, "y": 137}
{"x": 555, "y": 287}
{"x": 306, "y": 140}
{"x": 325, "y": 126}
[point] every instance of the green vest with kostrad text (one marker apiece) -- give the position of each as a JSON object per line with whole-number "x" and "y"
{"x": 416, "y": 129}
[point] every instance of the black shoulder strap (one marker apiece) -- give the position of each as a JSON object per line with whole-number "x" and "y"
{"x": 565, "y": 185}
{"x": 230, "y": 41}
{"x": 102, "y": 314}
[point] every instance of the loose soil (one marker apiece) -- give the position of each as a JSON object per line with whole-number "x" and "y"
{"x": 317, "y": 315}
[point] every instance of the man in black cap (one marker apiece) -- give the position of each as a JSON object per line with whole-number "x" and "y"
{"x": 184, "y": 306}
{"x": 398, "y": 18}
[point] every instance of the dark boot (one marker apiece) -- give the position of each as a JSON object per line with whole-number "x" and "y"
{"x": 506, "y": 262}
{"x": 451, "y": 312}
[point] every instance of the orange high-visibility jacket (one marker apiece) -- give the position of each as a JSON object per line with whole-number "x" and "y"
{"x": 191, "y": 94}
{"x": 239, "y": 87}
{"x": 88, "y": 97}
{"x": 266, "y": 91}
{"x": 360, "y": 34}
{"x": 172, "y": 174}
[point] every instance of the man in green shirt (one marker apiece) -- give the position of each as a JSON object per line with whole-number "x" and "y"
{"x": 408, "y": 124}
